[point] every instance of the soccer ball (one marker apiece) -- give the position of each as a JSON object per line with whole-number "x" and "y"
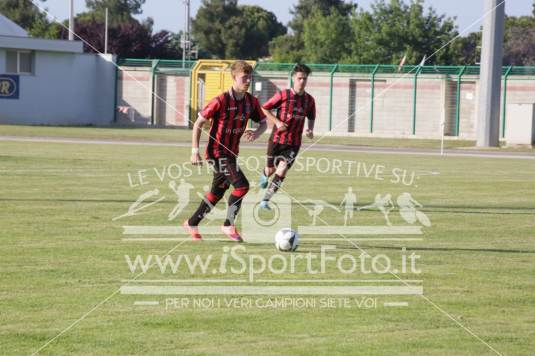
{"x": 286, "y": 240}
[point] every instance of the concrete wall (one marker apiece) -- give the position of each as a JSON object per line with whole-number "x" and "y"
{"x": 468, "y": 107}
{"x": 171, "y": 99}
{"x": 351, "y": 108}
{"x": 134, "y": 87}
{"x": 520, "y": 90}
{"x": 2, "y": 60}
{"x": 436, "y": 103}
{"x": 65, "y": 89}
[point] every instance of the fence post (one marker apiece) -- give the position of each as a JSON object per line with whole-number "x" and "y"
{"x": 372, "y": 98}
{"x": 415, "y": 88}
{"x": 116, "y": 91}
{"x": 331, "y": 97}
{"x": 458, "y": 102}
{"x": 504, "y": 98}
{"x": 152, "y": 96}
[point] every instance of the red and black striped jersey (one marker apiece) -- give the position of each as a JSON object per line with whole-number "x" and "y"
{"x": 292, "y": 110}
{"x": 229, "y": 119}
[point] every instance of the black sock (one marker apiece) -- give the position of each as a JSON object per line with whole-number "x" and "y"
{"x": 234, "y": 205}
{"x": 203, "y": 209}
{"x": 273, "y": 187}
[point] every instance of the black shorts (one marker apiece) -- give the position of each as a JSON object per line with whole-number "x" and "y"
{"x": 227, "y": 172}
{"x": 278, "y": 152}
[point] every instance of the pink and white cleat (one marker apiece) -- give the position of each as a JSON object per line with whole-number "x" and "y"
{"x": 231, "y": 233}
{"x": 193, "y": 231}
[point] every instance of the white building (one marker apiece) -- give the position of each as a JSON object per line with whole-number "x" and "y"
{"x": 52, "y": 82}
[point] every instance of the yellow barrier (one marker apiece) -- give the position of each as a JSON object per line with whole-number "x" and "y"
{"x": 209, "y": 78}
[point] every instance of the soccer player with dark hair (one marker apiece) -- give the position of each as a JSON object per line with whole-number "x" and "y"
{"x": 228, "y": 114}
{"x": 293, "y": 106}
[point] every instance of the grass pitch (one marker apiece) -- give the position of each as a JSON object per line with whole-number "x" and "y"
{"x": 62, "y": 256}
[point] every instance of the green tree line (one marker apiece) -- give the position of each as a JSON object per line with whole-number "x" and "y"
{"x": 320, "y": 31}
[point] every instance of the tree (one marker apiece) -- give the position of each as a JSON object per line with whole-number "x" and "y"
{"x": 130, "y": 39}
{"x": 163, "y": 45}
{"x": 325, "y": 38}
{"x": 306, "y": 8}
{"x": 469, "y": 49}
{"x": 119, "y": 10}
{"x": 252, "y": 29}
{"x": 209, "y": 24}
{"x": 519, "y": 39}
{"x": 28, "y": 16}
{"x": 286, "y": 49}
{"x": 225, "y": 30}
{"x": 290, "y": 48}
{"x": 519, "y": 49}
{"x": 395, "y": 29}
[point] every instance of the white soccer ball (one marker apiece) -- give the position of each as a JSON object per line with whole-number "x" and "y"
{"x": 286, "y": 240}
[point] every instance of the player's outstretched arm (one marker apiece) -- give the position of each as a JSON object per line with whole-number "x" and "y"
{"x": 281, "y": 126}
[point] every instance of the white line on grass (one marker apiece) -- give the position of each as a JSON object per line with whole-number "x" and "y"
{"x": 147, "y": 302}
{"x": 320, "y": 147}
{"x": 395, "y": 304}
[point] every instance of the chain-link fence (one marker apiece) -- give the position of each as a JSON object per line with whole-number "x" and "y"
{"x": 392, "y": 101}
{"x": 153, "y": 92}
{"x": 363, "y": 100}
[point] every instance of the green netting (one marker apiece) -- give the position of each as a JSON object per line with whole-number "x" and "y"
{"x": 472, "y": 70}
{"x": 164, "y": 66}
{"x": 327, "y": 68}
{"x": 182, "y": 67}
{"x": 165, "y": 63}
{"x": 131, "y": 62}
{"x": 522, "y": 71}
{"x": 389, "y": 69}
{"x": 274, "y": 67}
{"x": 175, "y": 67}
{"x": 449, "y": 70}
{"x": 354, "y": 68}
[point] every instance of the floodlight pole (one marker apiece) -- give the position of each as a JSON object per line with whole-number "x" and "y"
{"x": 185, "y": 36}
{"x": 71, "y": 20}
{"x": 488, "y": 118}
{"x": 106, "y": 33}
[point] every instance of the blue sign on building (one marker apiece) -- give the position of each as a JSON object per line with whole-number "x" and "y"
{"x": 9, "y": 86}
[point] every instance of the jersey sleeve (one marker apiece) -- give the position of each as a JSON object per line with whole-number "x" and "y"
{"x": 209, "y": 110}
{"x": 274, "y": 102}
{"x": 257, "y": 114}
{"x": 311, "y": 113}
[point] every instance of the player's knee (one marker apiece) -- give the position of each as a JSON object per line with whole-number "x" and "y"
{"x": 241, "y": 188}
{"x": 240, "y": 191}
{"x": 282, "y": 168}
{"x": 214, "y": 197}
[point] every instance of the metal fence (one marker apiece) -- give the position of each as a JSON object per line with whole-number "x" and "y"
{"x": 368, "y": 100}
{"x": 153, "y": 92}
{"x": 387, "y": 100}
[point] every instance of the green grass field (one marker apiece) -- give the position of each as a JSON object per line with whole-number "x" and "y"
{"x": 63, "y": 258}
